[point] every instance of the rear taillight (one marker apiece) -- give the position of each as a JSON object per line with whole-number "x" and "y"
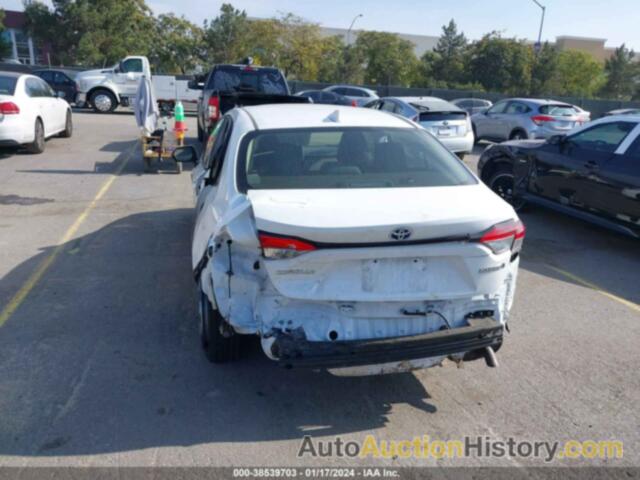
{"x": 541, "y": 119}
{"x": 504, "y": 236}
{"x": 282, "y": 248}
{"x": 214, "y": 108}
{"x": 354, "y": 103}
{"x": 9, "y": 108}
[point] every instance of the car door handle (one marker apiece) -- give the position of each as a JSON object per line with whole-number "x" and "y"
{"x": 591, "y": 165}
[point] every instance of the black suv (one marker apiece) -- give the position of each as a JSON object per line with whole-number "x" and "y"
{"x": 229, "y": 86}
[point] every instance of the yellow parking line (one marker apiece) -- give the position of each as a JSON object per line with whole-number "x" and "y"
{"x": 35, "y": 277}
{"x": 584, "y": 283}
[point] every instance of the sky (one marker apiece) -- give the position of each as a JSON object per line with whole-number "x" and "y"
{"x": 614, "y": 20}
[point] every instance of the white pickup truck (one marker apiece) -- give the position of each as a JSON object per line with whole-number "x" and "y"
{"x": 105, "y": 89}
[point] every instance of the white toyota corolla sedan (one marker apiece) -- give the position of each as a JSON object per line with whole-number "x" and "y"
{"x": 347, "y": 239}
{"x": 30, "y": 112}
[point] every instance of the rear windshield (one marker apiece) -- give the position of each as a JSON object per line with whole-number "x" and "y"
{"x": 7, "y": 85}
{"x": 347, "y": 158}
{"x": 442, "y": 116}
{"x": 558, "y": 110}
{"x": 247, "y": 79}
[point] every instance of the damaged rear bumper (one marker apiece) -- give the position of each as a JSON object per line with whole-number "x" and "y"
{"x": 294, "y": 350}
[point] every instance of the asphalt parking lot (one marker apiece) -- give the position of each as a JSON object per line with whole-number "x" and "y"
{"x": 100, "y": 363}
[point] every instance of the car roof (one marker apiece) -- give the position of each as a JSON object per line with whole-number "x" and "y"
{"x": 352, "y": 86}
{"x": 537, "y": 101}
{"x": 284, "y": 116}
{"x": 5, "y": 73}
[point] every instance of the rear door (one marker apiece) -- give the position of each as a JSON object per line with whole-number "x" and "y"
{"x": 571, "y": 173}
{"x": 619, "y": 186}
{"x": 488, "y": 125}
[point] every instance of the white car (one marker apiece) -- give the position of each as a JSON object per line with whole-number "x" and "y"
{"x": 360, "y": 95}
{"x": 447, "y": 122}
{"x": 347, "y": 239}
{"x": 30, "y": 112}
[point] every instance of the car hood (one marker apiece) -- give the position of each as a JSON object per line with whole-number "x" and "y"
{"x": 360, "y": 216}
{"x": 523, "y": 143}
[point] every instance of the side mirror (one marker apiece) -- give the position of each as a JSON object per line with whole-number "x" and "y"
{"x": 187, "y": 154}
{"x": 60, "y": 94}
{"x": 556, "y": 140}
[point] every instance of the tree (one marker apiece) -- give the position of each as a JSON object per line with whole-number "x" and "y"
{"x": 447, "y": 59}
{"x": 226, "y": 36}
{"x": 500, "y": 64}
{"x": 178, "y": 45}
{"x": 5, "y": 47}
{"x": 331, "y": 64}
{"x": 621, "y": 73}
{"x": 543, "y": 69}
{"x": 577, "y": 74}
{"x": 92, "y": 32}
{"x": 388, "y": 59}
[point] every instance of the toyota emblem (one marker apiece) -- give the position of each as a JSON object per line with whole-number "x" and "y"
{"x": 401, "y": 233}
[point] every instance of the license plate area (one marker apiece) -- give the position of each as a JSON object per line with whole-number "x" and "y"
{"x": 395, "y": 275}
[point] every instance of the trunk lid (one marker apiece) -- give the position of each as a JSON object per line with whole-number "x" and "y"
{"x": 368, "y": 216}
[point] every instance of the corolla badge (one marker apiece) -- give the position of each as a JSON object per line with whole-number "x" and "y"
{"x": 401, "y": 233}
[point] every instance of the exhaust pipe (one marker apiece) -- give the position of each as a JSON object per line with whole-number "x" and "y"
{"x": 490, "y": 358}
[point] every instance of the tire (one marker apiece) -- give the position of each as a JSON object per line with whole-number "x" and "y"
{"x": 37, "y": 146}
{"x": 501, "y": 183}
{"x": 219, "y": 347}
{"x": 518, "y": 135}
{"x": 103, "y": 101}
{"x": 68, "y": 127}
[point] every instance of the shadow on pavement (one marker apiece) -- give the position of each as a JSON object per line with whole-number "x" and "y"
{"x": 135, "y": 165}
{"x": 601, "y": 257}
{"x": 104, "y": 356}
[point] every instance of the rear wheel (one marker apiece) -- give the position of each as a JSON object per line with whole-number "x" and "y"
{"x": 502, "y": 182}
{"x": 518, "y": 135}
{"x": 103, "y": 101}
{"x": 220, "y": 344}
{"x": 68, "y": 127}
{"x": 37, "y": 146}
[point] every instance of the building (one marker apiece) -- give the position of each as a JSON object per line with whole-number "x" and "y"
{"x": 23, "y": 47}
{"x": 425, "y": 43}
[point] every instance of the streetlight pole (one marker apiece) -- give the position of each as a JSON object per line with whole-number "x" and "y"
{"x": 544, "y": 10}
{"x": 351, "y": 27}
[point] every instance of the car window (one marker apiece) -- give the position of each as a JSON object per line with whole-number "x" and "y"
{"x": 8, "y": 85}
{"x": 604, "y": 138}
{"x": 33, "y": 87}
{"x": 499, "y": 107}
{"x": 45, "y": 89}
{"x": 340, "y": 90}
{"x": 46, "y": 76}
{"x": 60, "y": 78}
{"x": 375, "y": 105}
{"x": 481, "y": 103}
{"x": 356, "y": 92}
{"x": 464, "y": 103}
{"x": 248, "y": 79}
{"x": 558, "y": 110}
{"x": 388, "y": 106}
{"x": 328, "y": 96}
{"x": 346, "y": 157}
{"x": 132, "y": 65}
{"x": 219, "y": 149}
{"x": 516, "y": 108}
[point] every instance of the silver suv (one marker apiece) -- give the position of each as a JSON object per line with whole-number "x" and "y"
{"x": 522, "y": 118}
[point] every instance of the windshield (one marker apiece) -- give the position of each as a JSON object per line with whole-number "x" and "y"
{"x": 8, "y": 85}
{"x": 347, "y": 158}
{"x": 237, "y": 79}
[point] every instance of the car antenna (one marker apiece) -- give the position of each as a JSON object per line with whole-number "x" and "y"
{"x": 333, "y": 117}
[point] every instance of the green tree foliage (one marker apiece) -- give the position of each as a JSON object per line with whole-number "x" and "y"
{"x": 331, "y": 64}
{"x": 446, "y": 62}
{"x": 177, "y": 47}
{"x": 543, "y": 69}
{"x": 388, "y": 59}
{"x": 577, "y": 74}
{"x": 500, "y": 64}
{"x": 5, "y": 47}
{"x": 621, "y": 74}
{"x": 92, "y": 32}
{"x": 226, "y": 36}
